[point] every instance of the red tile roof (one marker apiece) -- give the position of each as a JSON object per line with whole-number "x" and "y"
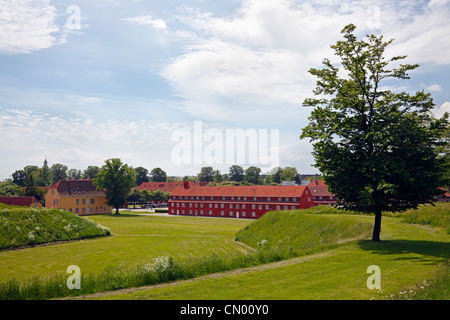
{"x": 241, "y": 191}
{"x": 317, "y": 183}
{"x": 76, "y": 187}
{"x": 18, "y": 201}
{"x": 320, "y": 191}
{"x": 168, "y": 186}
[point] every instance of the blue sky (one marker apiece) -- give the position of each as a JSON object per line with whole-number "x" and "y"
{"x": 85, "y": 81}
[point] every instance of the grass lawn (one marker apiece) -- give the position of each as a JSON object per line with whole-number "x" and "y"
{"x": 408, "y": 254}
{"x": 135, "y": 240}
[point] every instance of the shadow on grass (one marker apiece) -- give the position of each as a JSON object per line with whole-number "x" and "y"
{"x": 409, "y": 249}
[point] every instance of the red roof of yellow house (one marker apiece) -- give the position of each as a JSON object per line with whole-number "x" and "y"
{"x": 77, "y": 187}
{"x": 26, "y": 201}
{"x": 241, "y": 191}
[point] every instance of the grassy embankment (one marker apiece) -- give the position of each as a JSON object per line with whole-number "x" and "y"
{"x": 23, "y": 226}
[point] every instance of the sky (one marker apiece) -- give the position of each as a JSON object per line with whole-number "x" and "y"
{"x": 162, "y": 83}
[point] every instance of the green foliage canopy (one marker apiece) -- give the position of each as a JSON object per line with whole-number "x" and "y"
{"x": 158, "y": 175}
{"x": 116, "y": 179}
{"x": 377, "y": 150}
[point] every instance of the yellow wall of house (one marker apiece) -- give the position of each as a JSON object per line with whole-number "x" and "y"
{"x": 78, "y": 204}
{"x": 50, "y": 198}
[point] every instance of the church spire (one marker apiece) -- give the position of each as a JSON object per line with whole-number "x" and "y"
{"x": 45, "y": 162}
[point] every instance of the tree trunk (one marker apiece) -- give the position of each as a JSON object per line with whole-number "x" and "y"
{"x": 377, "y": 226}
{"x": 117, "y": 210}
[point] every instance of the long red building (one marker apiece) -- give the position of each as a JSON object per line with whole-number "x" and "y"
{"x": 237, "y": 201}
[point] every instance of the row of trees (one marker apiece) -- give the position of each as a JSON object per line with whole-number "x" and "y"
{"x": 116, "y": 178}
{"x": 251, "y": 175}
{"x": 47, "y": 176}
{"x": 10, "y": 189}
{"x": 147, "y": 196}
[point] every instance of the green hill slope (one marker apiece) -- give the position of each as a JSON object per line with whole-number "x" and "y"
{"x": 29, "y": 226}
{"x": 301, "y": 233}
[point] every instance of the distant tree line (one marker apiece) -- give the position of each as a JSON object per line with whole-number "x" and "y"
{"x": 46, "y": 176}
{"x": 237, "y": 175}
{"x": 120, "y": 180}
{"x": 145, "y": 196}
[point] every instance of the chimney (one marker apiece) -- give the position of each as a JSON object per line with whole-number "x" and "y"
{"x": 186, "y": 184}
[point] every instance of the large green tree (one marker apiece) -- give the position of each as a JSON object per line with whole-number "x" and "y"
{"x": 30, "y": 169}
{"x": 252, "y": 175}
{"x": 58, "y": 172}
{"x": 158, "y": 175}
{"x": 42, "y": 176}
{"x": 31, "y": 190}
{"x": 74, "y": 173}
{"x": 206, "y": 174}
{"x": 288, "y": 174}
{"x": 9, "y": 189}
{"x": 236, "y": 173}
{"x": 377, "y": 149}
{"x": 116, "y": 179}
{"x": 20, "y": 177}
{"x": 141, "y": 175}
{"x": 90, "y": 172}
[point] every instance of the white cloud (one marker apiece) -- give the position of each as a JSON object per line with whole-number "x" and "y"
{"x": 79, "y": 142}
{"x": 433, "y": 87}
{"x": 222, "y": 69}
{"x": 27, "y": 25}
{"x": 421, "y": 30}
{"x": 148, "y": 20}
{"x": 439, "y": 112}
{"x": 257, "y": 57}
{"x": 261, "y": 54}
{"x": 88, "y": 100}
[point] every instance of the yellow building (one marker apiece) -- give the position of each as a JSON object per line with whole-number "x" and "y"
{"x": 78, "y": 196}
